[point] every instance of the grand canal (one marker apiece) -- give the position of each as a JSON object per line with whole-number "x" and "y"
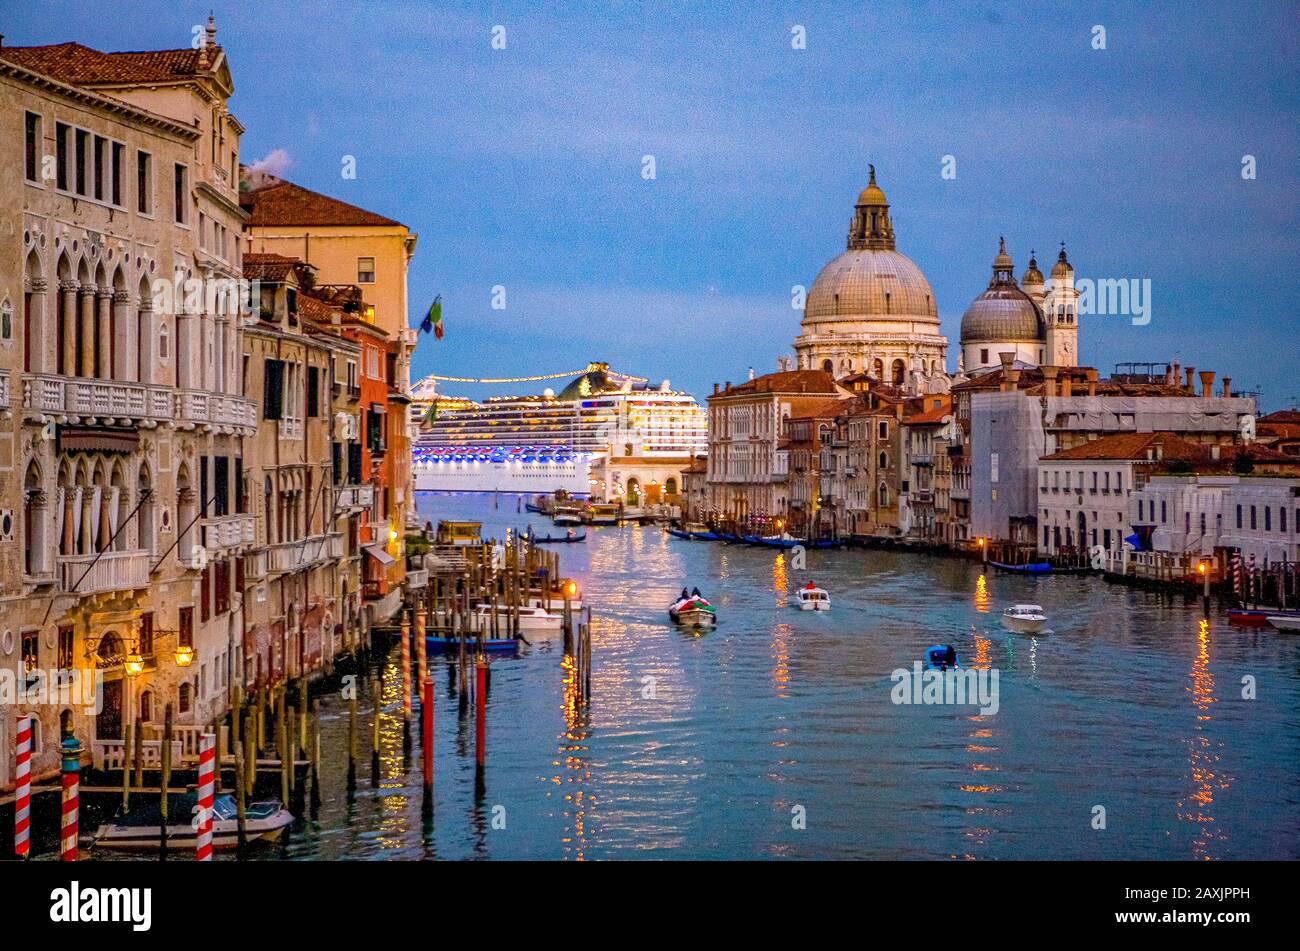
{"x": 714, "y": 746}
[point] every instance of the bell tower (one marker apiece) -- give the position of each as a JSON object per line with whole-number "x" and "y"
{"x": 1061, "y": 310}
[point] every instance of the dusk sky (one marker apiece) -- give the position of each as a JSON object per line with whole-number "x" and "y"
{"x": 522, "y": 167}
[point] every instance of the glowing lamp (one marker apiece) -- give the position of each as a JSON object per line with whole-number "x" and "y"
{"x": 184, "y": 655}
{"x": 133, "y": 664}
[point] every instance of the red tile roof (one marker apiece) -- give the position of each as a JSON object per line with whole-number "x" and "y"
{"x": 791, "y": 381}
{"x": 80, "y": 65}
{"x": 278, "y": 203}
{"x": 1133, "y": 446}
{"x": 268, "y": 267}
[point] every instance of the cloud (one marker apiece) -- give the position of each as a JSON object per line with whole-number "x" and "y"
{"x": 276, "y": 162}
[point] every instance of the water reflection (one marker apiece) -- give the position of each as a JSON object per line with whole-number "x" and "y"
{"x": 779, "y": 708}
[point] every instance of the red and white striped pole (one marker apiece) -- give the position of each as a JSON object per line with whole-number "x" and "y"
{"x": 23, "y": 787}
{"x": 68, "y": 845}
{"x": 207, "y": 785}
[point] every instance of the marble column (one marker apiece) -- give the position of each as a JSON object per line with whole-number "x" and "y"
{"x": 86, "y": 333}
{"x": 67, "y": 360}
{"x": 104, "y": 338}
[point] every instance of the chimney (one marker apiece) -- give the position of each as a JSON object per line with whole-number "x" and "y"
{"x": 715, "y": 389}
{"x": 1012, "y": 381}
{"x": 1191, "y": 371}
{"x": 1207, "y": 384}
{"x": 1049, "y": 380}
{"x": 1175, "y": 373}
{"x": 1067, "y": 383}
{"x": 726, "y": 387}
{"x": 1092, "y": 382}
{"x": 1227, "y": 387}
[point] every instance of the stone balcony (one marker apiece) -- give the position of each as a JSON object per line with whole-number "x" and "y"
{"x": 111, "y": 571}
{"x": 304, "y": 553}
{"x": 229, "y": 534}
{"x": 220, "y": 412}
{"x": 79, "y": 400}
{"x": 353, "y": 498}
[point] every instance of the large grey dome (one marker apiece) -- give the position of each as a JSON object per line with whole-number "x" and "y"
{"x": 1003, "y": 313}
{"x": 868, "y": 282}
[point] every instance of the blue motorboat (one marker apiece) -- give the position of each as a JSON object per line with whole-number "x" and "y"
{"x": 941, "y": 657}
{"x": 450, "y": 645}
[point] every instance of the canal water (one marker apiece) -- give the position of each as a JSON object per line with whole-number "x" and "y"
{"x": 775, "y": 736}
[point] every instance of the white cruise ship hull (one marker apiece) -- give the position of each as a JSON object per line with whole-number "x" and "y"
{"x": 538, "y": 478}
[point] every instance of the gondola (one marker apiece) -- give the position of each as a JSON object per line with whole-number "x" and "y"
{"x": 556, "y": 539}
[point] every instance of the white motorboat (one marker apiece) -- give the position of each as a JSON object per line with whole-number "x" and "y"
{"x": 531, "y": 618}
{"x": 1286, "y": 623}
{"x": 557, "y": 603}
{"x": 1024, "y": 618}
{"x": 140, "y": 826}
{"x": 812, "y": 598}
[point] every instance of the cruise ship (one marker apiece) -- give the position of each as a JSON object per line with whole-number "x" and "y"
{"x": 604, "y": 435}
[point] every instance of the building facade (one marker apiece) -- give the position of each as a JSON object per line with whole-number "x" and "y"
{"x": 122, "y": 414}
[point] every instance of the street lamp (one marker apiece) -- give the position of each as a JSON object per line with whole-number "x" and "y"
{"x": 1204, "y": 569}
{"x": 184, "y": 654}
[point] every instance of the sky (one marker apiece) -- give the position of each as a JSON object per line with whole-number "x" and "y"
{"x": 523, "y": 168}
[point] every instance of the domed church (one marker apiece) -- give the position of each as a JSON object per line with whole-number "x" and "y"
{"x": 1037, "y": 325}
{"x": 871, "y": 310}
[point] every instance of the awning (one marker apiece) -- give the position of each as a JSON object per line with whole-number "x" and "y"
{"x": 377, "y": 552}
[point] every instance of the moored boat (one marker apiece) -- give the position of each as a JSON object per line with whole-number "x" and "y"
{"x": 694, "y": 530}
{"x": 1024, "y": 618}
{"x": 140, "y": 827}
{"x": 531, "y": 618}
{"x": 1257, "y": 617}
{"x": 1286, "y": 623}
{"x": 567, "y": 516}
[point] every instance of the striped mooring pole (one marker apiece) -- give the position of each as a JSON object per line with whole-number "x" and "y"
{"x": 23, "y": 788}
{"x": 207, "y": 785}
{"x": 406, "y": 683}
{"x": 71, "y": 749}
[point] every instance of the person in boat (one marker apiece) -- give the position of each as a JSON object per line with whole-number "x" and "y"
{"x": 949, "y": 658}
{"x": 695, "y": 593}
{"x": 811, "y": 586}
{"x": 569, "y": 533}
{"x": 683, "y": 596}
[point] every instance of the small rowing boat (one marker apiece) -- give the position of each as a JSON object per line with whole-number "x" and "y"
{"x": 1286, "y": 623}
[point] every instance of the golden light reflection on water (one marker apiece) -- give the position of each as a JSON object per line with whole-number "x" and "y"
{"x": 1203, "y": 757}
{"x": 394, "y": 802}
{"x": 979, "y": 749}
{"x": 780, "y": 582}
{"x": 780, "y": 646}
{"x": 573, "y": 760}
{"x": 982, "y": 595}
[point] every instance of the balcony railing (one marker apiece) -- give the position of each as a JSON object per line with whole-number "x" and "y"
{"x": 225, "y": 533}
{"x": 216, "y": 410}
{"x": 922, "y": 459}
{"x": 354, "y": 498}
{"x": 255, "y": 565}
{"x": 105, "y": 400}
{"x": 305, "y": 552}
{"x": 112, "y": 571}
